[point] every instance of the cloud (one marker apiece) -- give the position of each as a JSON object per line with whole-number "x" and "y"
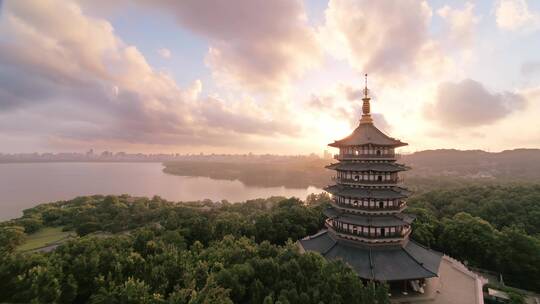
{"x": 515, "y": 15}
{"x": 460, "y": 23}
{"x": 344, "y": 103}
{"x": 387, "y": 38}
{"x": 468, "y": 104}
{"x": 530, "y": 68}
{"x": 69, "y": 77}
{"x": 164, "y": 53}
{"x": 254, "y": 44}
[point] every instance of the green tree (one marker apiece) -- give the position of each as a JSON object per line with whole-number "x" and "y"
{"x": 469, "y": 238}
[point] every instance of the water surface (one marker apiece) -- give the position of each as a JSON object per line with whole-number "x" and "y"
{"x": 24, "y": 185}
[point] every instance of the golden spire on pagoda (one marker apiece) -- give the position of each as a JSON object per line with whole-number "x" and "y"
{"x": 366, "y": 116}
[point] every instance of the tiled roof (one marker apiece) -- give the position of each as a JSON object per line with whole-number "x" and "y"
{"x": 382, "y": 263}
{"x": 367, "y": 133}
{"x": 367, "y": 166}
{"x": 370, "y": 220}
{"x": 384, "y": 193}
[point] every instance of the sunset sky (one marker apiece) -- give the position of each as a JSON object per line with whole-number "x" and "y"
{"x": 280, "y": 76}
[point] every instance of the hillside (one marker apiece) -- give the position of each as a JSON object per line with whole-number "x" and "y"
{"x": 519, "y": 164}
{"x": 450, "y": 167}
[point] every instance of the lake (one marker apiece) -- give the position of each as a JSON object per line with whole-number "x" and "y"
{"x": 24, "y": 185}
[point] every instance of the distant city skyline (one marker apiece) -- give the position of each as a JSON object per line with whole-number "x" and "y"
{"x": 279, "y": 77}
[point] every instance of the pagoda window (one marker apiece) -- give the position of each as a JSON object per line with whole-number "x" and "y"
{"x": 356, "y": 177}
{"x": 378, "y": 152}
{"x": 383, "y": 232}
{"x": 381, "y": 205}
{"x": 355, "y": 203}
{"x": 380, "y": 178}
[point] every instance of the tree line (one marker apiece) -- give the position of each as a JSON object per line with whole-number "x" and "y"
{"x": 200, "y": 252}
{"x": 491, "y": 227}
{"x": 158, "y": 251}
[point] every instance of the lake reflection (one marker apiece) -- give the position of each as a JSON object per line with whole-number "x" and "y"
{"x": 25, "y": 185}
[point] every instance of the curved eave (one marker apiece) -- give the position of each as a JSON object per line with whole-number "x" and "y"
{"x": 390, "y": 193}
{"x": 341, "y": 144}
{"x": 365, "y": 134}
{"x": 370, "y": 221}
{"x": 363, "y": 166}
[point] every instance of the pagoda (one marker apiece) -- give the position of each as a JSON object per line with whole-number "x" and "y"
{"x": 366, "y": 226}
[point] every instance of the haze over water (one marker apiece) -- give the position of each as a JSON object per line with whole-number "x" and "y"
{"x": 24, "y": 185}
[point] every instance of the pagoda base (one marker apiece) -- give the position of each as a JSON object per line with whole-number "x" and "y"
{"x": 407, "y": 261}
{"x": 414, "y": 274}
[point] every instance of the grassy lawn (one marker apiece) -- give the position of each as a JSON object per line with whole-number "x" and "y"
{"x": 45, "y": 237}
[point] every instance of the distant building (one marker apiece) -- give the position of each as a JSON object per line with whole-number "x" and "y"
{"x": 327, "y": 154}
{"x": 367, "y": 229}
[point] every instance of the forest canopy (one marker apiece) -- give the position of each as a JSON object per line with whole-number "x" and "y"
{"x": 149, "y": 250}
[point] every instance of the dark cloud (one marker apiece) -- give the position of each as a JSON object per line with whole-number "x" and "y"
{"x": 468, "y": 103}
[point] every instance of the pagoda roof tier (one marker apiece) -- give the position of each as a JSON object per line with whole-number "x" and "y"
{"x": 368, "y": 166}
{"x": 382, "y": 263}
{"x": 367, "y": 133}
{"x": 390, "y": 220}
{"x": 384, "y": 193}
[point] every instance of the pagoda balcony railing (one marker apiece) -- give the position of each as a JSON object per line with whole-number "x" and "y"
{"x": 369, "y": 209}
{"x": 369, "y": 238}
{"x": 351, "y": 181}
{"x": 367, "y": 156}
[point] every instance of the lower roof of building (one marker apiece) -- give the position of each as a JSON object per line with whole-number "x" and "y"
{"x": 381, "y": 263}
{"x": 382, "y": 193}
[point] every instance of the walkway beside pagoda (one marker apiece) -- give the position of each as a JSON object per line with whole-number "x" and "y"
{"x": 455, "y": 285}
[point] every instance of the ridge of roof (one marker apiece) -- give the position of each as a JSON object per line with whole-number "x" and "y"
{"x": 404, "y": 248}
